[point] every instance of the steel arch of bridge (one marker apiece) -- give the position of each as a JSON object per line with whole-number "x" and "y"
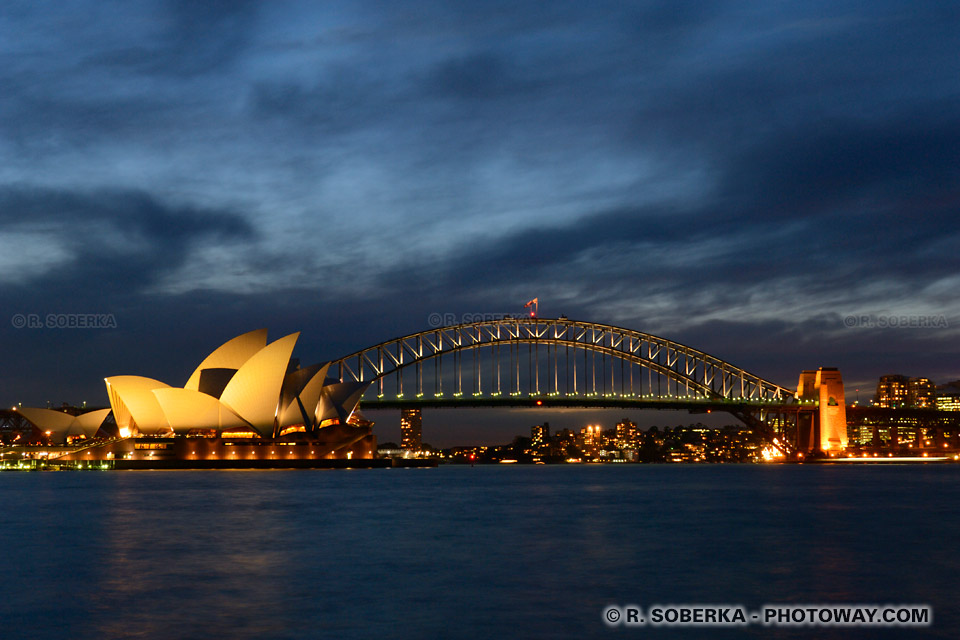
{"x": 700, "y": 372}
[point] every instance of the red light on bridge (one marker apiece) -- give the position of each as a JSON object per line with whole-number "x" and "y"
{"x": 539, "y": 402}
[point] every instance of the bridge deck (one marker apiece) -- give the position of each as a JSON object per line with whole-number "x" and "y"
{"x": 694, "y": 405}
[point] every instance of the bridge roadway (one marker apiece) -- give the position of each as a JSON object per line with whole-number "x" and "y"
{"x": 693, "y": 405}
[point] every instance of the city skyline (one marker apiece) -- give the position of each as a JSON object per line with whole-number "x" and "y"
{"x": 773, "y": 185}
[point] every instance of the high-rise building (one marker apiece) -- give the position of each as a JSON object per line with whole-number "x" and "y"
{"x": 592, "y": 436}
{"x": 897, "y": 391}
{"x": 892, "y": 392}
{"x": 922, "y": 393}
{"x": 539, "y": 434}
{"x": 626, "y": 433}
{"x": 411, "y": 425}
{"x": 586, "y": 436}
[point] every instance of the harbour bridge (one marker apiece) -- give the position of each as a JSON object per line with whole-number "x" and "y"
{"x": 558, "y": 362}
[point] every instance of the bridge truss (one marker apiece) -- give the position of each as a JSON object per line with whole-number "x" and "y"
{"x": 558, "y": 361}
{"x": 552, "y": 357}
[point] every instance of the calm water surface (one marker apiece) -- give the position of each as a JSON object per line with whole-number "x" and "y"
{"x": 490, "y": 551}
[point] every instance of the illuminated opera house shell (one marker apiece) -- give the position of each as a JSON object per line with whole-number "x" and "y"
{"x": 244, "y": 386}
{"x": 59, "y": 425}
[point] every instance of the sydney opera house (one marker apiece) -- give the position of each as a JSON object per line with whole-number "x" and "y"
{"x": 247, "y": 404}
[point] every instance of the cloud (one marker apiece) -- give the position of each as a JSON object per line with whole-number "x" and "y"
{"x": 179, "y": 38}
{"x": 714, "y": 172}
{"x": 107, "y": 239}
{"x": 477, "y": 77}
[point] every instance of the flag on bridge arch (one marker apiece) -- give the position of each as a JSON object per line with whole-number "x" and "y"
{"x": 535, "y": 304}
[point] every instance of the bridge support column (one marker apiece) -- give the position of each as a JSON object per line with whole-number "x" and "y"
{"x": 828, "y": 432}
{"x": 808, "y": 431}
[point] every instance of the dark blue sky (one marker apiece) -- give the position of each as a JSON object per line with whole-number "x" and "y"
{"x": 738, "y": 176}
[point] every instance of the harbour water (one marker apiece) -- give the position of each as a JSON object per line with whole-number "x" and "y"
{"x": 486, "y": 551}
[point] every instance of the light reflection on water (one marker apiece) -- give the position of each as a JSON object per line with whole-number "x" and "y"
{"x": 463, "y": 552}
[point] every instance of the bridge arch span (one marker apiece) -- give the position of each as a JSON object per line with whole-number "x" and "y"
{"x": 698, "y": 372}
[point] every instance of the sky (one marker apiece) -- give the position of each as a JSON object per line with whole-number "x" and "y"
{"x": 773, "y": 183}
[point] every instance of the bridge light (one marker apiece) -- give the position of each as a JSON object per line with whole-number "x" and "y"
{"x": 539, "y": 402}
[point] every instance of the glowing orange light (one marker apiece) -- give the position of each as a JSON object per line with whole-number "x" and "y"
{"x": 769, "y": 453}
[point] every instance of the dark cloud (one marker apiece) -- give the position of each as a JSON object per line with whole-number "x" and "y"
{"x": 339, "y": 103}
{"x": 738, "y": 176}
{"x": 475, "y": 77}
{"x": 830, "y": 164}
{"x": 114, "y": 240}
{"x": 189, "y": 39}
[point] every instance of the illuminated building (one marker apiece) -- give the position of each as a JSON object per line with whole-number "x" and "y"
{"x": 948, "y": 396}
{"x": 593, "y": 437}
{"x": 922, "y": 393}
{"x": 590, "y": 435}
{"x": 948, "y": 402}
{"x": 539, "y": 435}
{"x": 411, "y": 427}
{"x": 891, "y": 392}
{"x": 864, "y": 434}
{"x": 248, "y": 400}
{"x": 245, "y": 385}
{"x": 626, "y": 433}
{"x": 62, "y": 426}
{"x": 897, "y": 392}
